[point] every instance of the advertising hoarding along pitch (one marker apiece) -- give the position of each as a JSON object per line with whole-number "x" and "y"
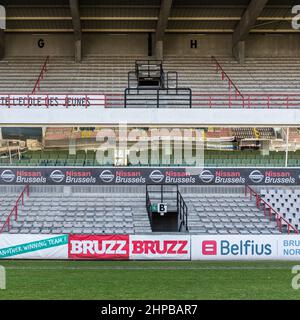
{"x": 245, "y": 247}
{"x": 160, "y": 247}
{"x": 99, "y": 247}
{"x": 30, "y": 246}
{"x": 150, "y": 247}
{"x": 142, "y": 176}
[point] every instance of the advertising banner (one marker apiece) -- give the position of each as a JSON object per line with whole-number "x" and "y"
{"x": 142, "y": 176}
{"x": 99, "y": 247}
{"x": 150, "y": 247}
{"x": 51, "y": 100}
{"x": 289, "y": 247}
{"x": 29, "y": 246}
{"x": 245, "y": 247}
{"x": 160, "y": 247}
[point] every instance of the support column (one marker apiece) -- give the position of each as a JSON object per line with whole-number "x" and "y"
{"x": 78, "y": 51}
{"x": 244, "y": 26}
{"x": 265, "y": 148}
{"x": 1, "y": 137}
{"x": 287, "y": 146}
{"x": 162, "y": 24}
{"x": 159, "y": 50}
{"x": 238, "y": 52}
{"x": 74, "y": 6}
{"x": 2, "y": 44}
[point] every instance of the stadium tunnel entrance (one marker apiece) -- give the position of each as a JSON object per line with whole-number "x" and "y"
{"x": 166, "y": 208}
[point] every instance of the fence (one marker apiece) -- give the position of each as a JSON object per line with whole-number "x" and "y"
{"x": 269, "y": 211}
{"x": 14, "y": 211}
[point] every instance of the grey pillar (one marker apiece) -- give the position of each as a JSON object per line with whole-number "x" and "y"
{"x": 2, "y": 44}
{"x": 238, "y": 52}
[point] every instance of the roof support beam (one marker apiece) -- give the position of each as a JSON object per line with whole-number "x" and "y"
{"x": 162, "y": 24}
{"x": 243, "y": 28}
{"x": 74, "y": 6}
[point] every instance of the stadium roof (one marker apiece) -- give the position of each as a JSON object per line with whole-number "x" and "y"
{"x": 125, "y": 16}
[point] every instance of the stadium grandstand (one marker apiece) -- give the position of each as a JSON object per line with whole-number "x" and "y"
{"x": 210, "y": 88}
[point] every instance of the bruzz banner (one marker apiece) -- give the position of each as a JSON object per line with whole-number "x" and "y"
{"x": 142, "y": 176}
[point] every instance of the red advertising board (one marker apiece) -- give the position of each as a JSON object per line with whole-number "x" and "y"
{"x": 100, "y": 247}
{"x": 156, "y": 247}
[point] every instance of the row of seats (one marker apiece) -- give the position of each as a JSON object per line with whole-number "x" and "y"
{"x": 108, "y": 74}
{"x": 99, "y": 213}
{"x": 48, "y": 211}
{"x": 211, "y": 158}
{"x": 285, "y": 201}
{"x": 254, "y": 133}
{"x": 226, "y": 214}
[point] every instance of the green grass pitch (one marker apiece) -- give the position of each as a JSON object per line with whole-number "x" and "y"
{"x": 148, "y": 280}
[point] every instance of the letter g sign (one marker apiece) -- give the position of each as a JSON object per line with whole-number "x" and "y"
{"x": 41, "y": 43}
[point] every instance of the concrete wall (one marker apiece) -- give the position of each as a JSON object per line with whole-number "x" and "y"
{"x": 136, "y": 44}
{"x": 257, "y": 45}
{"x": 115, "y": 44}
{"x": 93, "y": 116}
{"x": 63, "y": 44}
{"x": 28, "y": 45}
{"x": 272, "y": 45}
{"x": 207, "y": 45}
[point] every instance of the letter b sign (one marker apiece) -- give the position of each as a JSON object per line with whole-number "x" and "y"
{"x": 162, "y": 208}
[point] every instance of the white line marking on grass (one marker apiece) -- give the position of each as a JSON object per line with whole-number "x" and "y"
{"x": 146, "y": 268}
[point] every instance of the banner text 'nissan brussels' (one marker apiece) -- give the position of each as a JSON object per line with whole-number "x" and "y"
{"x": 142, "y": 176}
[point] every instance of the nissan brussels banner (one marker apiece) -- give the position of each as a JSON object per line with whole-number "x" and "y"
{"x": 243, "y": 247}
{"x": 160, "y": 247}
{"x": 51, "y": 100}
{"x": 99, "y": 247}
{"x": 29, "y": 246}
{"x": 142, "y": 176}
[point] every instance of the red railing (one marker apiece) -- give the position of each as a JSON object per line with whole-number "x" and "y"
{"x": 224, "y": 76}
{"x": 40, "y": 77}
{"x": 269, "y": 211}
{"x": 247, "y": 101}
{"x": 14, "y": 211}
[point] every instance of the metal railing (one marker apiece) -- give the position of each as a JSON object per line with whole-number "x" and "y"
{"x": 158, "y": 98}
{"x": 224, "y": 76}
{"x": 14, "y": 212}
{"x": 270, "y": 212}
{"x": 247, "y": 101}
{"x": 40, "y": 77}
{"x": 182, "y": 213}
{"x": 149, "y": 207}
{"x": 171, "y": 80}
{"x": 149, "y": 70}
